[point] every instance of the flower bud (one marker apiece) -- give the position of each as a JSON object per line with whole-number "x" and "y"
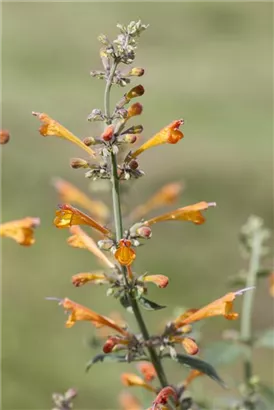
{"x": 144, "y": 232}
{"x": 136, "y": 72}
{"x": 78, "y": 163}
{"x": 89, "y": 141}
{"x": 133, "y": 164}
{"x": 103, "y": 39}
{"x": 135, "y": 92}
{"x": 135, "y": 129}
{"x": 128, "y": 138}
{"x": 105, "y": 244}
{"x": 70, "y": 394}
{"x": 108, "y": 133}
{"x": 96, "y": 115}
{"x": 4, "y": 137}
{"x": 134, "y": 109}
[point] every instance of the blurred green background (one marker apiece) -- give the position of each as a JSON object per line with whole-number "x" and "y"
{"x": 210, "y": 63}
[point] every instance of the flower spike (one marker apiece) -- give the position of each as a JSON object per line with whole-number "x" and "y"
{"x": 51, "y": 127}
{"x": 220, "y": 307}
{"x": 71, "y": 194}
{"x": 20, "y": 230}
{"x": 170, "y": 134}
{"x": 188, "y": 213}
{"x": 68, "y": 216}
{"x": 80, "y": 239}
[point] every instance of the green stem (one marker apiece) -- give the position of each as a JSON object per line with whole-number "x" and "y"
{"x": 119, "y": 233}
{"x": 246, "y": 330}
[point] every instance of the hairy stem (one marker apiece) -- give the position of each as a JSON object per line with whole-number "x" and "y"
{"x": 119, "y": 232}
{"x": 246, "y": 331}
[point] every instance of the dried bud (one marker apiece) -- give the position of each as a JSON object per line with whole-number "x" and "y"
{"x": 144, "y": 232}
{"x": 108, "y": 133}
{"x": 4, "y": 137}
{"x": 127, "y": 138}
{"x": 78, "y": 163}
{"x": 89, "y": 141}
{"x": 135, "y": 129}
{"x": 96, "y": 115}
{"x": 135, "y": 92}
{"x": 134, "y": 109}
{"x": 133, "y": 164}
{"x": 136, "y": 72}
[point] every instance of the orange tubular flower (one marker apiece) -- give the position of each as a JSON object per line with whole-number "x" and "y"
{"x": 170, "y": 134}
{"x": 163, "y": 396}
{"x": 80, "y": 239}
{"x": 114, "y": 341}
{"x": 20, "y": 230}
{"x": 125, "y": 255}
{"x": 188, "y": 213}
{"x": 148, "y": 371}
{"x": 160, "y": 280}
{"x": 96, "y": 278}
{"x": 220, "y": 307}
{"x": 69, "y": 193}
{"x": 79, "y": 313}
{"x": 129, "y": 402}
{"x": 68, "y": 216}
{"x": 188, "y": 344}
{"x": 192, "y": 375}
{"x": 51, "y": 127}
{"x": 167, "y": 195}
{"x": 131, "y": 379}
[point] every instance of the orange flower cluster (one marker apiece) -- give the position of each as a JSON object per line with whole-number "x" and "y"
{"x": 22, "y": 230}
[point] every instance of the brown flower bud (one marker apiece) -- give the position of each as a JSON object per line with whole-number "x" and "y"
{"x": 133, "y": 164}
{"x": 135, "y": 92}
{"x": 89, "y": 141}
{"x": 135, "y": 129}
{"x": 136, "y": 72}
{"x": 129, "y": 138}
{"x": 134, "y": 109}
{"x": 78, "y": 163}
{"x": 4, "y": 137}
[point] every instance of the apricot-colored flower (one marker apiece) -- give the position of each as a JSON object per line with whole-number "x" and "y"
{"x": 68, "y": 216}
{"x": 20, "y": 230}
{"x": 188, "y": 213}
{"x": 79, "y": 313}
{"x": 148, "y": 371}
{"x": 160, "y": 280}
{"x": 192, "y": 375}
{"x": 129, "y": 402}
{"x": 131, "y": 379}
{"x": 220, "y": 307}
{"x": 167, "y": 195}
{"x": 114, "y": 342}
{"x": 188, "y": 344}
{"x": 80, "y": 239}
{"x": 69, "y": 193}
{"x": 163, "y": 396}
{"x": 96, "y": 278}
{"x": 170, "y": 134}
{"x": 51, "y": 127}
{"x": 134, "y": 109}
{"x": 125, "y": 255}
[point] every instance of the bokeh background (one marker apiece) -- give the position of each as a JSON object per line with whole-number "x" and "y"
{"x": 210, "y": 63}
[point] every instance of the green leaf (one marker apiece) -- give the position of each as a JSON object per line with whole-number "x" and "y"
{"x": 198, "y": 364}
{"x": 125, "y": 302}
{"x": 266, "y": 339}
{"x": 224, "y": 352}
{"x": 148, "y": 304}
{"x": 100, "y": 358}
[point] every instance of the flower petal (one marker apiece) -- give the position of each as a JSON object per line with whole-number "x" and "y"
{"x": 160, "y": 280}
{"x": 125, "y": 254}
{"x": 51, "y": 127}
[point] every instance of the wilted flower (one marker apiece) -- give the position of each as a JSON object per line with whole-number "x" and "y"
{"x": 170, "y": 134}
{"x": 51, "y": 127}
{"x": 160, "y": 280}
{"x": 81, "y": 313}
{"x": 167, "y": 195}
{"x": 96, "y": 278}
{"x": 80, "y": 239}
{"x": 134, "y": 109}
{"x": 220, "y": 307}
{"x": 4, "y": 137}
{"x": 69, "y": 193}
{"x": 129, "y": 402}
{"x": 188, "y": 213}
{"x": 20, "y": 230}
{"x": 131, "y": 379}
{"x": 68, "y": 216}
{"x": 163, "y": 396}
{"x": 148, "y": 371}
{"x": 125, "y": 254}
